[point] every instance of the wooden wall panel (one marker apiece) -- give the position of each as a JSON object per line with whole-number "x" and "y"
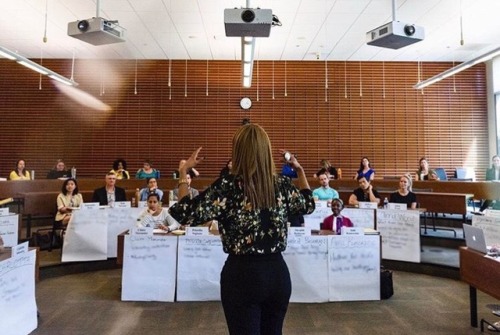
{"x": 162, "y": 110}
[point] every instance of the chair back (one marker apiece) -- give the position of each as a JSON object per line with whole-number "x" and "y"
{"x": 465, "y": 173}
{"x": 441, "y": 172}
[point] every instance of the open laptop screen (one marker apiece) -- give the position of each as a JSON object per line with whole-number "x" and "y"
{"x": 474, "y": 238}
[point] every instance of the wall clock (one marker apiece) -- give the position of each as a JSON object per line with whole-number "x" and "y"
{"x": 245, "y": 103}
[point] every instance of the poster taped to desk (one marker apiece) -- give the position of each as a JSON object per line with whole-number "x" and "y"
{"x": 9, "y": 228}
{"x": 86, "y": 237}
{"x": 18, "y": 311}
{"x": 400, "y": 232}
{"x": 149, "y": 268}
{"x": 307, "y": 260}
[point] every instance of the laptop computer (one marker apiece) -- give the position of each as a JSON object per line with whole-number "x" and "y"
{"x": 474, "y": 238}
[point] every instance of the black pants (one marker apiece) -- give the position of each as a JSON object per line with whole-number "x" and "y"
{"x": 255, "y": 291}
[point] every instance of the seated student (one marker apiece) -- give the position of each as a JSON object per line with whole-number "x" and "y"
{"x": 365, "y": 170}
{"x": 110, "y": 193}
{"x": 331, "y": 172}
{"x": 492, "y": 174}
{"x": 336, "y": 221}
{"x": 120, "y": 169}
{"x": 365, "y": 192}
{"x": 157, "y": 217}
{"x": 191, "y": 191}
{"x": 20, "y": 173}
{"x": 147, "y": 171}
{"x": 404, "y": 195}
{"x": 68, "y": 199}
{"x": 151, "y": 187}
{"x": 423, "y": 169}
{"x": 192, "y": 172}
{"x": 325, "y": 192}
{"x": 226, "y": 170}
{"x": 288, "y": 170}
{"x": 59, "y": 171}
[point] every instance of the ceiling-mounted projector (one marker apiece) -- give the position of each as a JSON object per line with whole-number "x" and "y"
{"x": 395, "y": 35}
{"x": 240, "y": 22}
{"x": 97, "y": 31}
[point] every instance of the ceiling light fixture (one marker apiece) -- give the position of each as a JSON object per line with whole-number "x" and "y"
{"x": 35, "y": 66}
{"x": 456, "y": 69}
{"x": 247, "y": 51}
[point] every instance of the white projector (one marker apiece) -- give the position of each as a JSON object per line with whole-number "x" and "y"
{"x": 97, "y": 31}
{"x": 395, "y": 35}
{"x": 240, "y": 22}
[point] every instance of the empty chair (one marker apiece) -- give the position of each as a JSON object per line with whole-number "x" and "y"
{"x": 441, "y": 173}
{"x": 465, "y": 174}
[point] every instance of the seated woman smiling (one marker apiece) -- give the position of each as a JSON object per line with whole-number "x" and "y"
{"x": 157, "y": 217}
{"x": 404, "y": 195}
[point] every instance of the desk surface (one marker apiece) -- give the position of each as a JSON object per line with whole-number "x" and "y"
{"x": 435, "y": 202}
{"x": 480, "y": 189}
{"x": 481, "y": 272}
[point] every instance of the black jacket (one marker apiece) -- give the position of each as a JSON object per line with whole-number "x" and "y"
{"x": 101, "y": 196}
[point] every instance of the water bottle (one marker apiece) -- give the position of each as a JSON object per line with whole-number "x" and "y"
{"x": 386, "y": 202}
{"x": 171, "y": 195}
{"x": 32, "y": 174}
{"x": 73, "y": 172}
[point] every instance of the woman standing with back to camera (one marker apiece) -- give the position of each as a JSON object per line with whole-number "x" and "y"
{"x": 252, "y": 205}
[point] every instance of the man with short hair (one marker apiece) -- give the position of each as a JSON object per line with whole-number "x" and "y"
{"x": 364, "y": 193}
{"x": 110, "y": 193}
{"x": 325, "y": 192}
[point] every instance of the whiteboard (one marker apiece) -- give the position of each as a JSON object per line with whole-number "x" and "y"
{"x": 9, "y": 229}
{"x": 200, "y": 262}
{"x": 354, "y": 267}
{"x": 17, "y": 291}
{"x": 400, "y": 231}
{"x": 149, "y": 268}
{"x": 360, "y": 217}
{"x": 307, "y": 260}
{"x": 490, "y": 226}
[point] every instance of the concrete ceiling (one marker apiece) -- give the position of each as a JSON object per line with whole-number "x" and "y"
{"x": 194, "y": 29}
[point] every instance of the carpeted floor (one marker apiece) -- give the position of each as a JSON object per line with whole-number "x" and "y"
{"x": 89, "y": 303}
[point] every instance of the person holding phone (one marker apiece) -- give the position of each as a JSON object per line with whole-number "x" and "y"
{"x": 251, "y": 206}
{"x": 288, "y": 170}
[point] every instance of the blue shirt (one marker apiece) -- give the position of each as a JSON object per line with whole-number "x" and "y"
{"x": 289, "y": 171}
{"x": 143, "y": 194}
{"x": 367, "y": 175}
{"x": 325, "y": 193}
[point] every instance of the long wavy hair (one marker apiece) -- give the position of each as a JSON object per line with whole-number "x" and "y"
{"x": 253, "y": 162}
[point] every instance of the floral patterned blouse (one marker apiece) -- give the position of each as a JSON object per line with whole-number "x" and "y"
{"x": 243, "y": 229}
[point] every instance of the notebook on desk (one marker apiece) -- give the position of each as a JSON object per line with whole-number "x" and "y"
{"x": 474, "y": 238}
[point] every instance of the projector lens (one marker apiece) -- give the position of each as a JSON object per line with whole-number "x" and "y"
{"x": 83, "y": 25}
{"x": 409, "y": 30}
{"x": 248, "y": 16}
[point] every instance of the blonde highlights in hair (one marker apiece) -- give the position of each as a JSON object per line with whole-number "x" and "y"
{"x": 253, "y": 162}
